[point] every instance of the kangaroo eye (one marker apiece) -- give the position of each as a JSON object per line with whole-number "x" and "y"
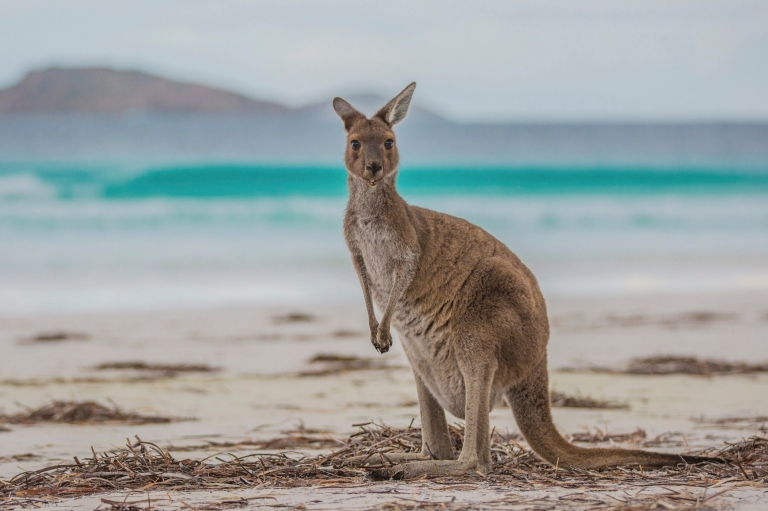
{"x": 389, "y": 143}
{"x": 355, "y": 145}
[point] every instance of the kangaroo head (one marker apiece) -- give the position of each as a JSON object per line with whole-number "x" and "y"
{"x": 371, "y": 153}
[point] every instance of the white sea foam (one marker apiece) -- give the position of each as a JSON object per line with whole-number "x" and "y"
{"x": 79, "y": 255}
{"x": 25, "y": 186}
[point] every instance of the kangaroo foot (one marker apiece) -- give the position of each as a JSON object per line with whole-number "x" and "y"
{"x": 385, "y": 459}
{"x": 421, "y": 468}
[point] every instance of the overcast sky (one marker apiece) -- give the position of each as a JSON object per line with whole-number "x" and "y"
{"x": 508, "y": 60}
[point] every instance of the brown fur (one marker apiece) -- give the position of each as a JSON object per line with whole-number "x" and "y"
{"x": 469, "y": 313}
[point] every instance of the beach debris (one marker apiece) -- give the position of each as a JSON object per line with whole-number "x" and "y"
{"x": 559, "y": 399}
{"x": 56, "y": 336}
{"x": 639, "y": 500}
{"x": 670, "y": 321}
{"x": 19, "y": 457}
{"x": 127, "y": 505}
{"x": 293, "y": 317}
{"x": 44, "y": 382}
{"x": 755, "y": 422}
{"x": 347, "y": 334}
{"x": 693, "y": 318}
{"x": 334, "y": 358}
{"x": 671, "y": 364}
{"x": 142, "y": 463}
{"x": 166, "y": 369}
{"x": 596, "y": 436}
{"x": 4, "y": 429}
{"x": 81, "y": 412}
{"x": 676, "y": 364}
{"x": 289, "y": 440}
{"x": 331, "y": 364}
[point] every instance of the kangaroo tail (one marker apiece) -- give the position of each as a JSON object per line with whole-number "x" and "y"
{"x": 530, "y": 404}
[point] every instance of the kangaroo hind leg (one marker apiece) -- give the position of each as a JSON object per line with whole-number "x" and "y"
{"x": 476, "y": 452}
{"x": 435, "y": 439}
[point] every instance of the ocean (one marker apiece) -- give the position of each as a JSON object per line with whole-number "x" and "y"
{"x": 93, "y": 230}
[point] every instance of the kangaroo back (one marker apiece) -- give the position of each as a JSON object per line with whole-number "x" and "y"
{"x": 530, "y": 404}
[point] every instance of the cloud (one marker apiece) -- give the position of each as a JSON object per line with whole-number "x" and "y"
{"x": 523, "y": 60}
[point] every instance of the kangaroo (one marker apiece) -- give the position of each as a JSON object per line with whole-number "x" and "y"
{"x": 468, "y": 312}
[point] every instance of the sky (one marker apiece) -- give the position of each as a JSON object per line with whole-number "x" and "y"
{"x": 527, "y": 60}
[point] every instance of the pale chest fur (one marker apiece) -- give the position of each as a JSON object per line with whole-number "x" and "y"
{"x": 425, "y": 337}
{"x": 380, "y": 247}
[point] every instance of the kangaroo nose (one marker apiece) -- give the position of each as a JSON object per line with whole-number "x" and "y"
{"x": 374, "y": 167}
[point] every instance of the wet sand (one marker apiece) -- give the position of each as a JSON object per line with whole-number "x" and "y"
{"x": 264, "y": 385}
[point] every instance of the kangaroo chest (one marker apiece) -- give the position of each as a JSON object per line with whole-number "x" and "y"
{"x": 423, "y": 341}
{"x": 380, "y": 247}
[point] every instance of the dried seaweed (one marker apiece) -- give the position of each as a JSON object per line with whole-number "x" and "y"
{"x": 83, "y": 412}
{"x": 57, "y": 336}
{"x": 577, "y": 322}
{"x": 292, "y": 439}
{"x": 334, "y": 358}
{"x": 677, "y": 499}
{"x": 673, "y": 364}
{"x": 596, "y": 436}
{"x": 19, "y": 457}
{"x": 559, "y": 399}
{"x": 144, "y": 464}
{"x": 691, "y": 365}
{"x": 170, "y": 369}
{"x": 293, "y": 317}
{"x": 753, "y": 423}
{"x": 329, "y": 364}
{"x": 344, "y": 334}
{"x": 42, "y": 382}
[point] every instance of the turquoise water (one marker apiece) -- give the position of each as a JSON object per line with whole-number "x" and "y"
{"x": 80, "y": 235}
{"x": 116, "y": 181}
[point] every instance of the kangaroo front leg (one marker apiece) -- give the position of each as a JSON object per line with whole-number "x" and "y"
{"x": 362, "y": 274}
{"x": 403, "y": 275}
{"x": 476, "y": 452}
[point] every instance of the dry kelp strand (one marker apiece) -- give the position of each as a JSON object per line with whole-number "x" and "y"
{"x": 81, "y": 412}
{"x": 675, "y": 364}
{"x": 561, "y": 400}
{"x": 57, "y": 336}
{"x": 141, "y": 463}
{"x": 596, "y": 436}
{"x": 328, "y": 364}
{"x": 172, "y": 369}
{"x": 292, "y": 439}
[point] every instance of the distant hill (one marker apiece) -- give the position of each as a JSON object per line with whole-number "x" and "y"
{"x": 98, "y": 90}
{"x": 108, "y": 91}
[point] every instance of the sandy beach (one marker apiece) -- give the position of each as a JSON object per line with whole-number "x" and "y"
{"x": 262, "y": 381}
{"x": 182, "y": 327}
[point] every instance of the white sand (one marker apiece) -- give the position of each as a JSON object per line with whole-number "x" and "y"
{"x": 256, "y": 394}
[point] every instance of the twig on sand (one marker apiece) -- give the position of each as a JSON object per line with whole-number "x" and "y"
{"x": 140, "y": 464}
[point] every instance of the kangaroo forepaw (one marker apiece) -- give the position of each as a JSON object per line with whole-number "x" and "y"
{"x": 383, "y": 339}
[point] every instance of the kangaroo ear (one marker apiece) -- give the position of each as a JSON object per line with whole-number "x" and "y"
{"x": 349, "y": 115}
{"x": 394, "y": 111}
